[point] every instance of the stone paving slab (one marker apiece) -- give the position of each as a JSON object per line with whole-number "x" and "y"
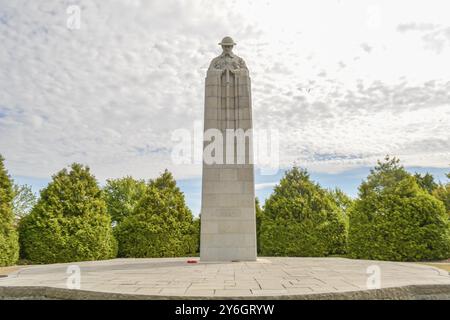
{"x": 268, "y": 277}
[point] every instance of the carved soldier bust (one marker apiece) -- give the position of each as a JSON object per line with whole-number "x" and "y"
{"x": 227, "y": 60}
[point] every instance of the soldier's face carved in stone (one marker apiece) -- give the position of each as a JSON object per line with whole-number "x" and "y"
{"x": 227, "y": 49}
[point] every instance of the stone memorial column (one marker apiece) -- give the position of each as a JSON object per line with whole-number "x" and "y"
{"x": 228, "y": 223}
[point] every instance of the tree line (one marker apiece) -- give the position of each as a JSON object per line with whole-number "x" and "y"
{"x": 396, "y": 216}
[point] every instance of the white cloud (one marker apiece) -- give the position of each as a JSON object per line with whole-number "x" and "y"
{"x": 345, "y": 83}
{"x": 265, "y": 185}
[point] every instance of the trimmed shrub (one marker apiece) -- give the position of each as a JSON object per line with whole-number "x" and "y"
{"x": 302, "y": 219}
{"x": 395, "y": 219}
{"x": 9, "y": 245}
{"x": 69, "y": 222}
{"x": 161, "y": 225}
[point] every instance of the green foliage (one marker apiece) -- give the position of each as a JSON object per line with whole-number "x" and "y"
{"x": 302, "y": 219}
{"x": 24, "y": 200}
{"x": 161, "y": 224}
{"x": 385, "y": 175}
{"x": 9, "y": 245}
{"x": 259, "y": 216}
{"x": 192, "y": 238}
{"x": 70, "y": 221}
{"x": 426, "y": 182}
{"x": 342, "y": 200}
{"x": 395, "y": 219}
{"x": 442, "y": 192}
{"x": 122, "y": 196}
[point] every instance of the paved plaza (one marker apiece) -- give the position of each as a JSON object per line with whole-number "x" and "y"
{"x": 267, "y": 277}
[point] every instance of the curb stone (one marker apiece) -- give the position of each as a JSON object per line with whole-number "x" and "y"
{"x": 412, "y": 292}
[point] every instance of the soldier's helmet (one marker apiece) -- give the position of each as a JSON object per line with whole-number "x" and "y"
{"x": 227, "y": 41}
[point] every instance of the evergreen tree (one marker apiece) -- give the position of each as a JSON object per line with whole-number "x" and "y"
{"x": 9, "y": 245}
{"x": 302, "y": 219}
{"x": 69, "y": 222}
{"x": 161, "y": 224}
{"x": 395, "y": 219}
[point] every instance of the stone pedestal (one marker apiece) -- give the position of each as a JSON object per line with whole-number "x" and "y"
{"x": 228, "y": 223}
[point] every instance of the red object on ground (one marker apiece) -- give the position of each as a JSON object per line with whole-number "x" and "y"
{"x": 192, "y": 261}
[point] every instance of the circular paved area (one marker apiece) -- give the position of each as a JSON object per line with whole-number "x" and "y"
{"x": 270, "y": 277}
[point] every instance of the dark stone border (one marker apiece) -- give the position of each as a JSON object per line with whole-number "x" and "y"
{"x": 412, "y": 292}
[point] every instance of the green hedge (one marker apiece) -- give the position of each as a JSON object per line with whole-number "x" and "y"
{"x": 302, "y": 219}
{"x": 9, "y": 245}
{"x": 161, "y": 225}
{"x": 69, "y": 222}
{"x": 394, "y": 219}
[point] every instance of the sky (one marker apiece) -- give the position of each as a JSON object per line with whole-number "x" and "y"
{"x": 343, "y": 83}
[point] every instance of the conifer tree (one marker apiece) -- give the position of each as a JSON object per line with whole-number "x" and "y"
{"x": 9, "y": 245}
{"x": 302, "y": 219}
{"x": 69, "y": 222}
{"x": 395, "y": 219}
{"x": 161, "y": 224}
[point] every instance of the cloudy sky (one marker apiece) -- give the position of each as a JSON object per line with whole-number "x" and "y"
{"x": 343, "y": 82}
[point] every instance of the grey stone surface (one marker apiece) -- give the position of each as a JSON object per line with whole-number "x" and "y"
{"x": 228, "y": 228}
{"x": 281, "y": 278}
